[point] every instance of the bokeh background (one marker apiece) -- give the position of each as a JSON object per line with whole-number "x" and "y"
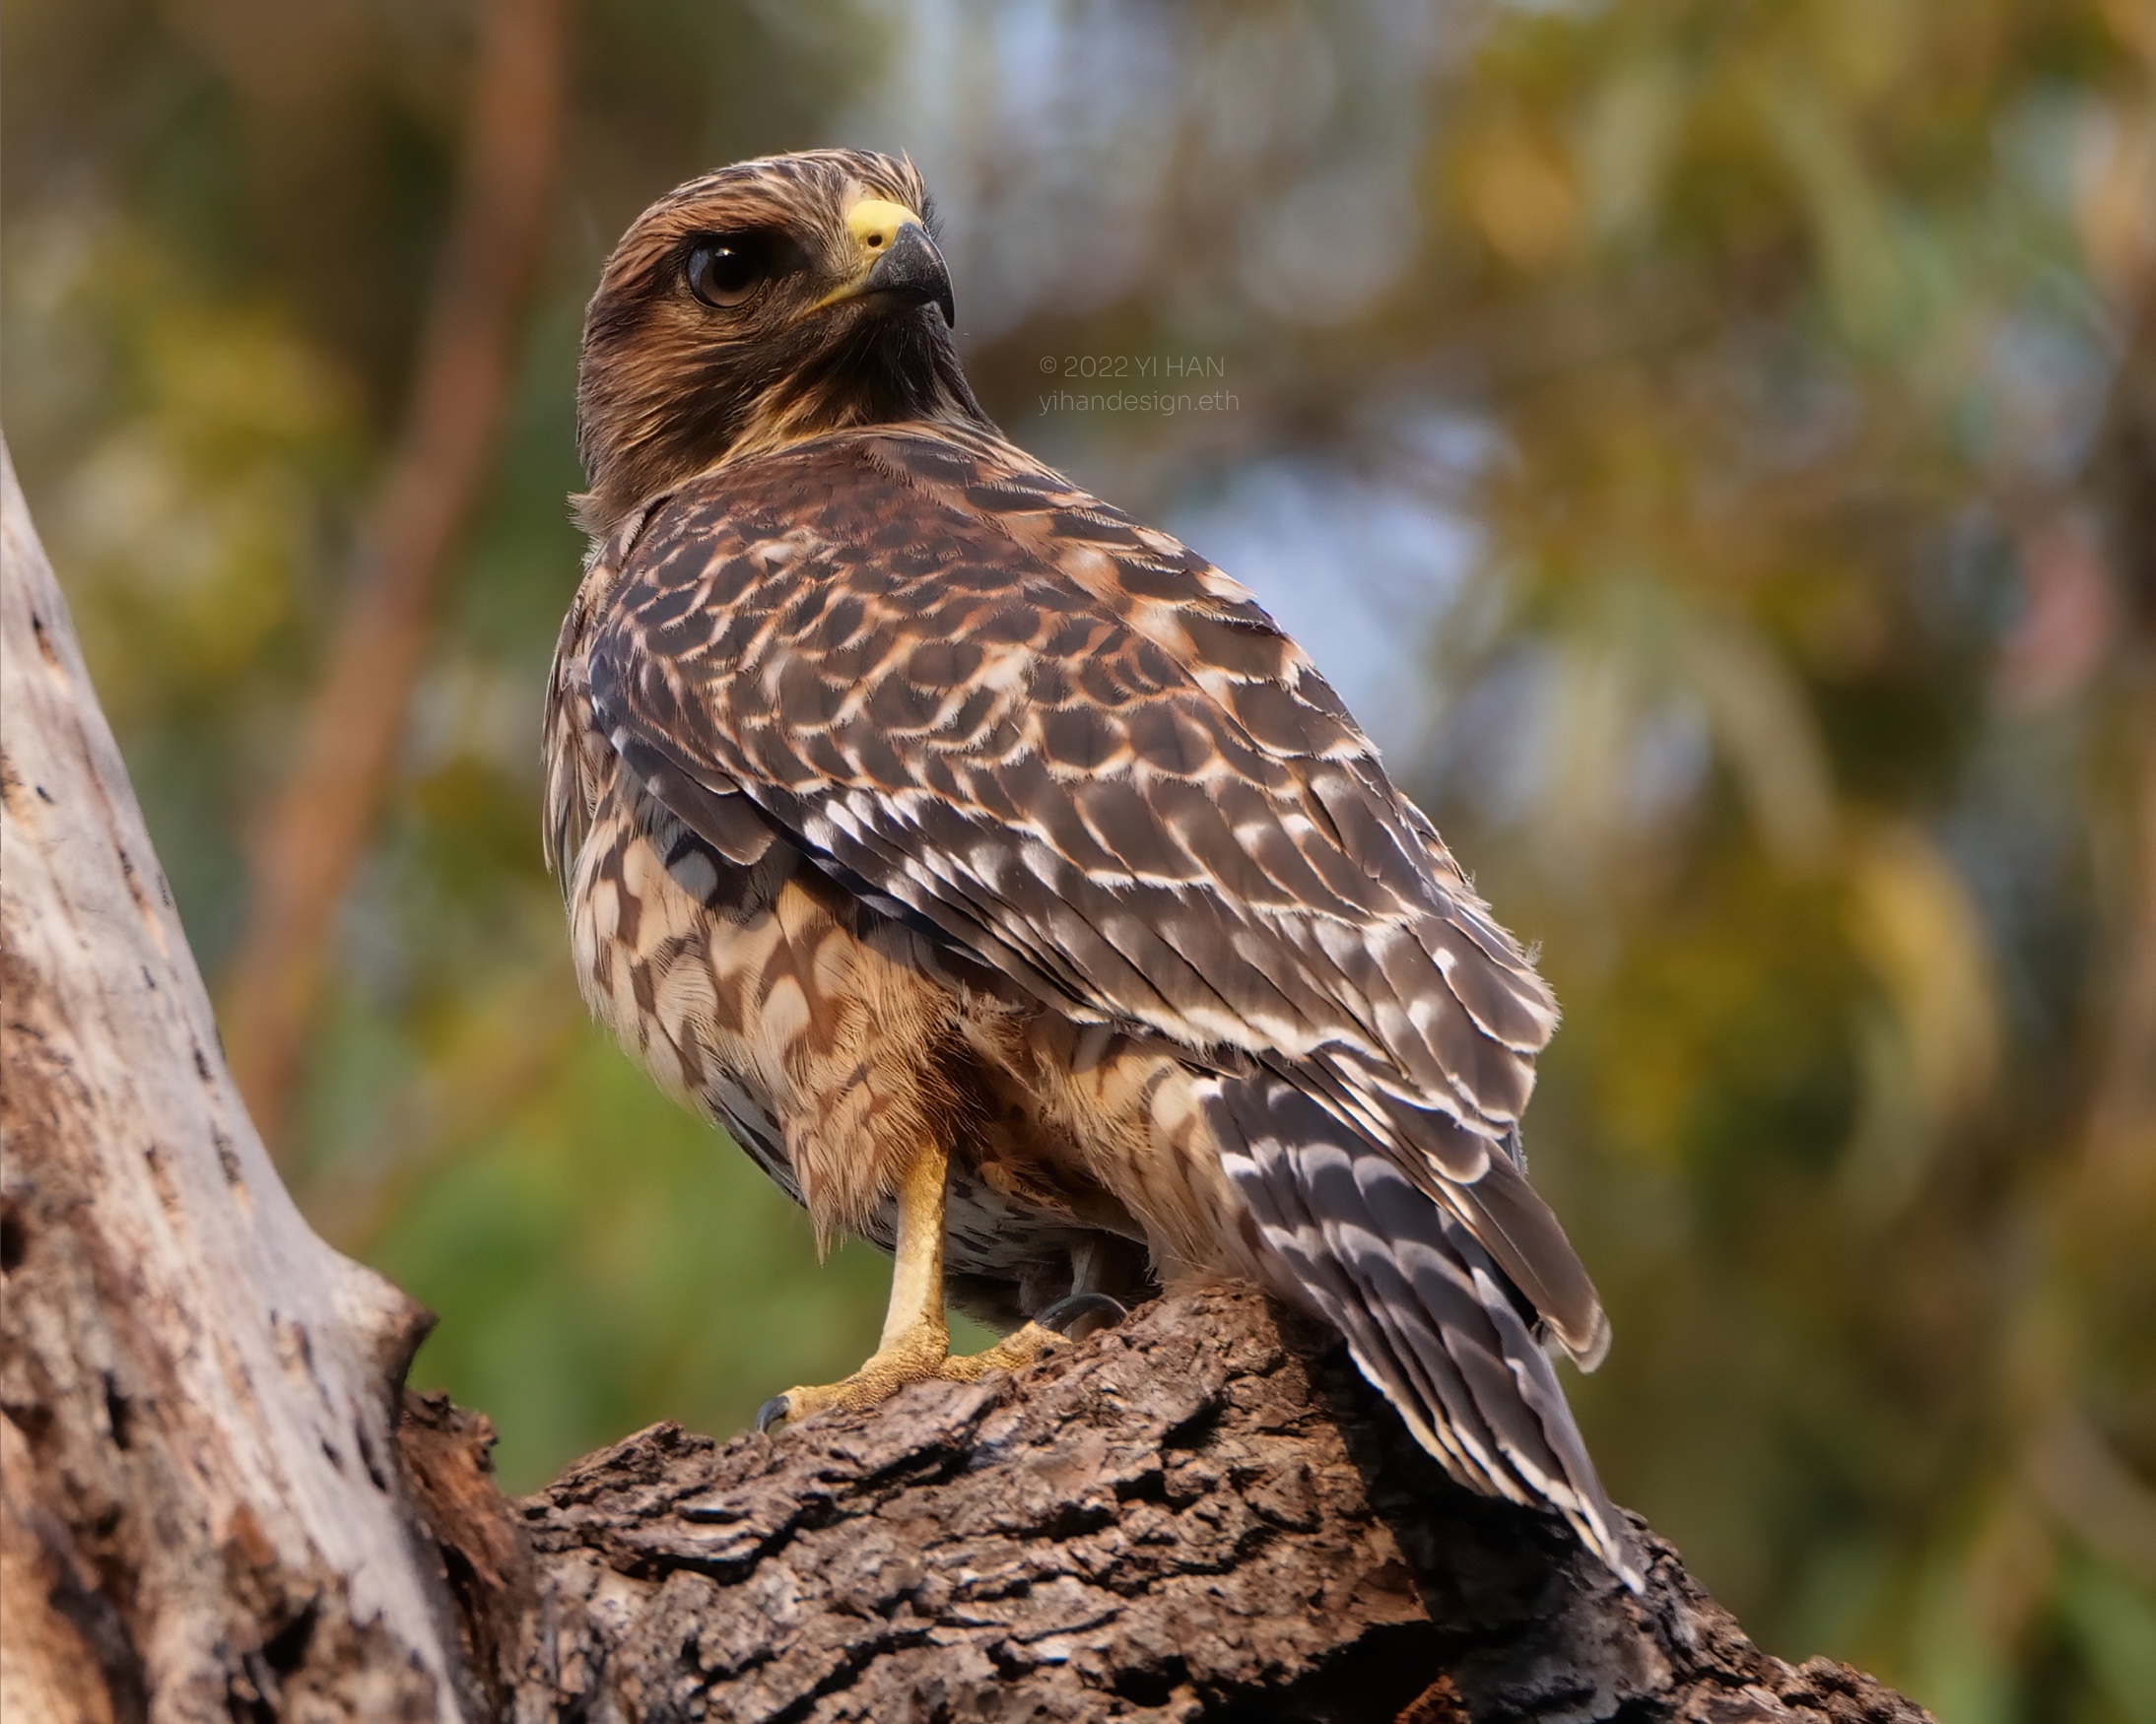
{"x": 1711, "y": 443}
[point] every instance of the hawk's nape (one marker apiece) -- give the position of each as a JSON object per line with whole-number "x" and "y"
{"x": 993, "y": 866}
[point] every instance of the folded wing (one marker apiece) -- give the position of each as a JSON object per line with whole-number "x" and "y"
{"x": 1078, "y": 753}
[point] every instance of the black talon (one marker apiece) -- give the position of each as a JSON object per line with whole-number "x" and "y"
{"x": 771, "y": 1412}
{"x": 1068, "y": 1317}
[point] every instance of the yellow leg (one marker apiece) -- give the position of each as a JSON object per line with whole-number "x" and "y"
{"x": 915, "y": 1347}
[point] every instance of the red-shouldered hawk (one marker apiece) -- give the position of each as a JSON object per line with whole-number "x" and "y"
{"x": 1016, "y": 893}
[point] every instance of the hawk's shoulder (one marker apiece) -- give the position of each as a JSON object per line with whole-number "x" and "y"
{"x": 1068, "y": 742}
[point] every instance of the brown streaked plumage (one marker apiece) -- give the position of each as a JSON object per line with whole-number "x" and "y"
{"x": 995, "y": 869}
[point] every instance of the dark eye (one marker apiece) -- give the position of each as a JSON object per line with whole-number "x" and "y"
{"x": 726, "y": 272}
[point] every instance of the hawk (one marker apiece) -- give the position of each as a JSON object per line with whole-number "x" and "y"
{"x": 994, "y": 869}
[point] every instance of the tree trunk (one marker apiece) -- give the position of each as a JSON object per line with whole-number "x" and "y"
{"x": 210, "y": 1511}
{"x": 204, "y": 1514}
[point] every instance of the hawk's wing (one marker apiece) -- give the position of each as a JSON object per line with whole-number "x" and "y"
{"x": 1087, "y": 757}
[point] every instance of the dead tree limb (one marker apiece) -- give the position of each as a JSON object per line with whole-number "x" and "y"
{"x": 205, "y": 1516}
{"x": 1203, "y": 1515}
{"x": 209, "y": 1515}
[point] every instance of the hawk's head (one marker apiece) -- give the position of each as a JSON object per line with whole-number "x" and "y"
{"x": 768, "y": 302}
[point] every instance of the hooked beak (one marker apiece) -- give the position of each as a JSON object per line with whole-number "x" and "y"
{"x": 901, "y": 260}
{"x": 912, "y": 271}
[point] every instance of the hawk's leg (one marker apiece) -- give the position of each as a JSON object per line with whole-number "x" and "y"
{"x": 916, "y": 1338}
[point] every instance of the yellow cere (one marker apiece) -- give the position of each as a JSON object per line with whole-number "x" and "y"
{"x": 875, "y": 223}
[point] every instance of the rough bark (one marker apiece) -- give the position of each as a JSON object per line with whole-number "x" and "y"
{"x": 204, "y": 1514}
{"x": 208, "y": 1513}
{"x": 1202, "y": 1514}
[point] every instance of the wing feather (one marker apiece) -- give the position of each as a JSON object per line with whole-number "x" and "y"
{"x": 1086, "y": 758}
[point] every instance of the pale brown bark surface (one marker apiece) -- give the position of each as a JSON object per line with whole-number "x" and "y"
{"x": 204, "y": 1514}
{"x": 211, "y": 1509}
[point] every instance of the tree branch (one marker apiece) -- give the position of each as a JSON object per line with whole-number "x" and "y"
{"x": 204, "y": 1514}
{"x": 1202, "y": 1514}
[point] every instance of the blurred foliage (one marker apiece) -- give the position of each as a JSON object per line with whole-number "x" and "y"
{"x": 1711, "y": 443}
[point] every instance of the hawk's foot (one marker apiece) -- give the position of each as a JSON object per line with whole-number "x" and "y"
{"x": 921, "y": 1354}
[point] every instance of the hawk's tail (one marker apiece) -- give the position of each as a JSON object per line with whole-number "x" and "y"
{"x": 1428, "y": 1315}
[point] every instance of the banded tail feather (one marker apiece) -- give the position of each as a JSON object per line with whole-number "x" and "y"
{"x": 1429, "y": 1319}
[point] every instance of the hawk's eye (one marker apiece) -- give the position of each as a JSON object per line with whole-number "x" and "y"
{"x": 726, "y": 271}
